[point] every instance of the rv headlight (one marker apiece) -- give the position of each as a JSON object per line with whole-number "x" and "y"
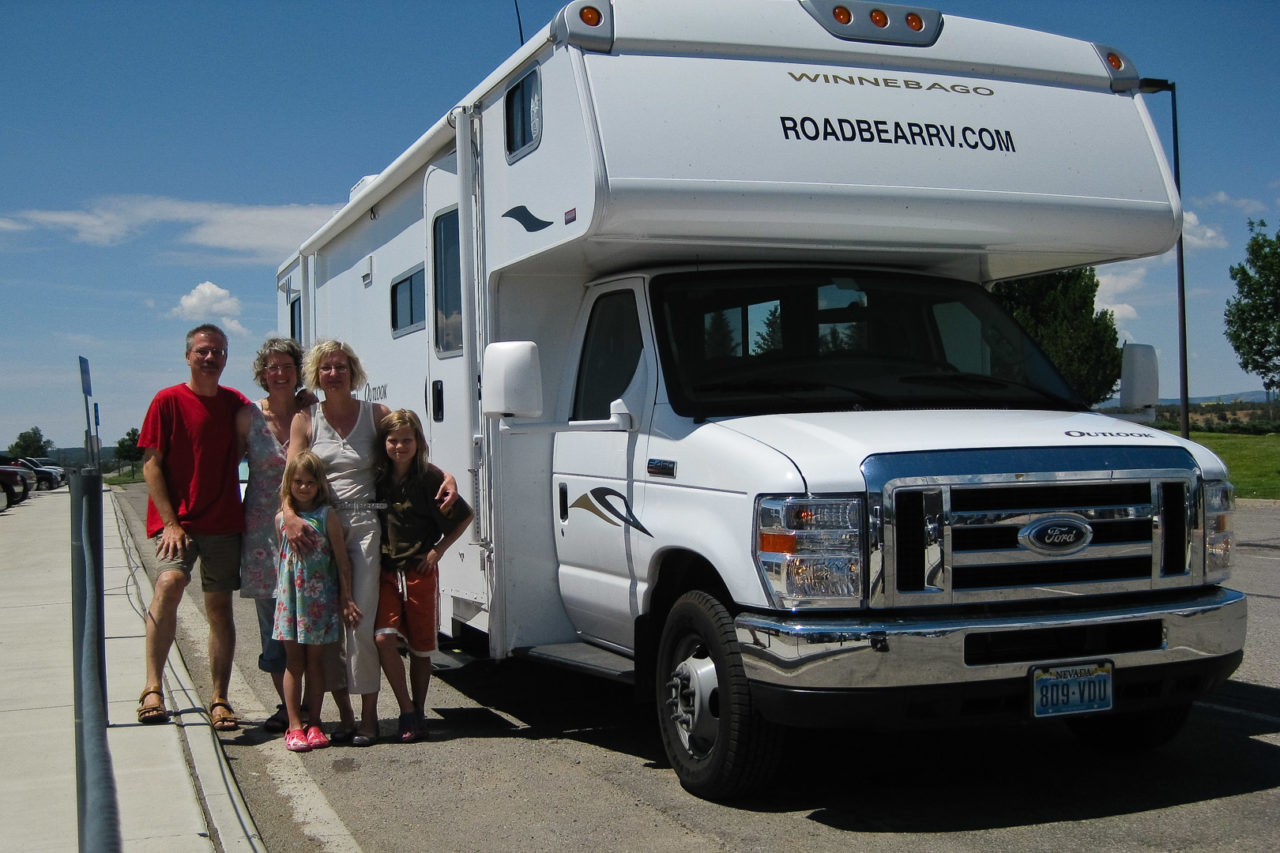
{"x": 1219, "y": 538}
{"x": 809, "y": 550}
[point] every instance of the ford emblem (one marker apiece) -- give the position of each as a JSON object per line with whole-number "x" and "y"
{"x": 1056, "y": 535}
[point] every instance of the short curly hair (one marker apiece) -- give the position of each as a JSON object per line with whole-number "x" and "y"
{"x": 275, "y": 346}
{"x": 321, "y": 351}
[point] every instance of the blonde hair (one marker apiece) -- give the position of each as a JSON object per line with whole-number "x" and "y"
{"x": 307, "y": 462}
{"x": 321, "y": 351}
{"x": 401, "y": 419}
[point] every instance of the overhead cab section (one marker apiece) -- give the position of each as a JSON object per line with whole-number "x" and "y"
{"x": 914, "y": 139}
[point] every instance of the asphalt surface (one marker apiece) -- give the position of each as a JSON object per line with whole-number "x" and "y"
{"x": 531, "y": 758}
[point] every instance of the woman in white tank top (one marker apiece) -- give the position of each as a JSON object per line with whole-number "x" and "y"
{"x": 342, "y": 430}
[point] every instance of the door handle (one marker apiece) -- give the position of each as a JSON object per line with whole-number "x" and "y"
{"x": 437, "y": 401}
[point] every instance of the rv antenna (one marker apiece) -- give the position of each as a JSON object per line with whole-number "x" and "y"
{"x": 519, "y": 25}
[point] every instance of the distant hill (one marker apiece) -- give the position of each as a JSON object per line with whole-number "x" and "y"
{"x": 1242, "y": 397}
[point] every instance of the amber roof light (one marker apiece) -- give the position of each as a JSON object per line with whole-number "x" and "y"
{"x": 842, "y": 15}
{"x": 590, "y": 16}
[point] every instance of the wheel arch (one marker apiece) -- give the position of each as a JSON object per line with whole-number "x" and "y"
{"x": 679, "y": 571}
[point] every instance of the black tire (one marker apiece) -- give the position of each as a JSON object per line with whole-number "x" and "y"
{"x": 718, "y": 745}
{"x": 1135, "y": 731}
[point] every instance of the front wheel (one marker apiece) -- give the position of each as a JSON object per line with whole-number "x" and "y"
{"x": 719, "y": 746}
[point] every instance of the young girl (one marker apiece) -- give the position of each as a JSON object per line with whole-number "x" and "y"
{"x": 311, "y": 593}
{"x": 415, "y": 534}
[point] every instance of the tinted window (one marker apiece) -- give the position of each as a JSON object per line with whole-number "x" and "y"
{"x": 446, "y": 282}
{"x": 409, "y": 304}
{"x": 524, "y": 116}
{"x": 610, "y": 354}
{"x": 756, "y": 341}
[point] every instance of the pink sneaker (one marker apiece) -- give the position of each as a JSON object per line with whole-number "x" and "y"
{"x": 316, "y": 738}
{"x": 295, "y": 740}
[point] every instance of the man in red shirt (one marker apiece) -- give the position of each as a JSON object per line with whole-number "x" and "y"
{"x": 191, "y": 454}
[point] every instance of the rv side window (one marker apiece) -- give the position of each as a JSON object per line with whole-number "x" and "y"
{"x": 409, "y": 304}
{"x": 295, "y": 318}
{"x": 610, "y": 354}
{"x": 446, "y": 282}
{"x": 524, "y": 116}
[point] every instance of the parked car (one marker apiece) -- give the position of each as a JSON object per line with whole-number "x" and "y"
{"x": 16, "y": 482}
{"x": 58, "y": 471}
{"x": 42, "y": 478}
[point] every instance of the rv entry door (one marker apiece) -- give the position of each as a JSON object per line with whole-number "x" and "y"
{"x": 449, "y": 394}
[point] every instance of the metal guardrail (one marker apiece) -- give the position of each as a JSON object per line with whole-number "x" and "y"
{"x": 97, "y": 811}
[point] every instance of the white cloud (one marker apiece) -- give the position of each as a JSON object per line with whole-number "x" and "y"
{"x": 207, "y": 301}
{"x": 1120, "y": 283}
{"x": 1245, "y": 205}
{"x": 1196, "y": 235}
{"x": 258, "y": 233}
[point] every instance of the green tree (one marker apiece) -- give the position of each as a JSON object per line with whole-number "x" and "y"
{"x": 31, "y": 443}
{"x": 1057, "y": 310}
{"x": 769, "y": 339}
{"x": 1253, "y": 314}
{"x": 721, "y": 342}
{"x": 127, "y": 449}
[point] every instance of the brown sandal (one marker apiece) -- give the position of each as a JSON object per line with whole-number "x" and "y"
{"x": 222, "y": 717}
{"x": 150, "y": 714}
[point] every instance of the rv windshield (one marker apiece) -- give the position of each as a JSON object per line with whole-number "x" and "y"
{"x": 745, "y": 342}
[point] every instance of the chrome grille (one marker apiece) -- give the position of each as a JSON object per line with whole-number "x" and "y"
{"x": 940, "y": 535}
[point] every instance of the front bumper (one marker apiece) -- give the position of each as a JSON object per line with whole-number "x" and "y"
{"x": 803, "y": 669}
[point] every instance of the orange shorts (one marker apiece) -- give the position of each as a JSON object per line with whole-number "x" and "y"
{"x": 409, "y": 605}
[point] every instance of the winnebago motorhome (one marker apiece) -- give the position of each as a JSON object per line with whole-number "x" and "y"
{"x": 690, "y": 297}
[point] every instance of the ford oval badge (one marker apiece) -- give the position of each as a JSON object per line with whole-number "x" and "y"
{"x": 1056, "y": 535}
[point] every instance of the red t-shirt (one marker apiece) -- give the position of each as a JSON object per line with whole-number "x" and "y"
{"x": 197, "y": 437}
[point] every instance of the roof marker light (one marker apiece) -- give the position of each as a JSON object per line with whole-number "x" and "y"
{"x": 915, "y": 22}
{"x": 879, "y": 18}
{"x": 842, "y": 15}
{"x": 1115, "y": 61}
{"x": 590, "y": 16}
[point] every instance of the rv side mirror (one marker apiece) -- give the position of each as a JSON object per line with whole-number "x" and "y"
{"x": 1139, "y": 377}
{"x": 511, "y": 380}
{"x": 620, "y": 415}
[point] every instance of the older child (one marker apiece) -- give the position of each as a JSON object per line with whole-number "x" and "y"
{"x": 416, "y": 531}
{"x": 312, "y": 589}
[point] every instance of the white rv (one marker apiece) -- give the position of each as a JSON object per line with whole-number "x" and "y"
{"x": 690, "y": 299}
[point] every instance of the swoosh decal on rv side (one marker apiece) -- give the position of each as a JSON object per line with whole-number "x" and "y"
{"x": 525, "y": 217}
{"x": 599, "y": 502}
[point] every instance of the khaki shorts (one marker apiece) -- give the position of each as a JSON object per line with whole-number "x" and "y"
{"x": 219, "y": 557}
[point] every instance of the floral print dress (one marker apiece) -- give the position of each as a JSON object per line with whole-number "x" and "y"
{"x": 259, "y": 552}
{"x": 307, "y": 589}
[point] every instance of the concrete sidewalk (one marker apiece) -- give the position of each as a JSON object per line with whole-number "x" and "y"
{"x": 174, "y": 789}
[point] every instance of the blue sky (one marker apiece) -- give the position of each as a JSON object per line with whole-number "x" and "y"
{"x": 159, "y": 160}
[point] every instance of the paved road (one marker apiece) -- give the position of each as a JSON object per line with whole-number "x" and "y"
{"x": 529, "y": 758}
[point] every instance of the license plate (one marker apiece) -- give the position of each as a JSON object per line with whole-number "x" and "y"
{"x": 1076, "y": 688}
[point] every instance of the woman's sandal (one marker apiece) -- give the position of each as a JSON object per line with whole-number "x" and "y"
{"x": 222, "y": 717}
{"x": 277, "y": 722}
{"x": 408, "y": 727}
{"x": 150, "y": 714}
